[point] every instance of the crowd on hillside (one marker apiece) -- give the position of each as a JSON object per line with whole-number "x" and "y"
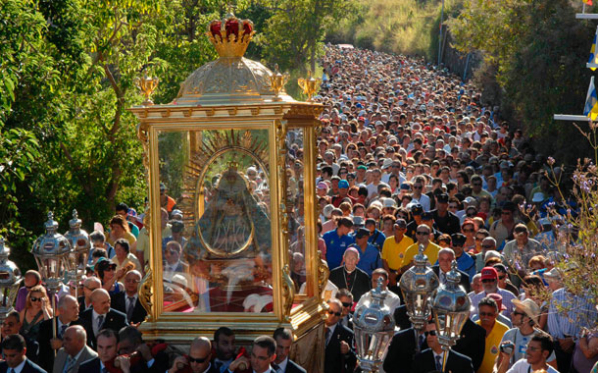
{"x": 408, "y": 157}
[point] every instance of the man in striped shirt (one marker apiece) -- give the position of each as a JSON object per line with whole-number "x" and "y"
{"x": 567, "y": 314}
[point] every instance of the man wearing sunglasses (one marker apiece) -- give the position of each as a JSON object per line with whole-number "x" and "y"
{"x": 200, "y": 354}
{"x": 431, "y": 250}
{"x": 490, "y": 285}
{"x": 525, "y": 321}
{"x": 339, "y": 356}
{"x": 431, "y": 359}
{"x": 495, "y": 330}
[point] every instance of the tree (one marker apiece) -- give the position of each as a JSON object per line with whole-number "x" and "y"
{"x": 296, "y": 29}
{"x": 538, "y": 50}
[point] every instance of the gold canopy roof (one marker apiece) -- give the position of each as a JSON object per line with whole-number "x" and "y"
{"x": 231, "y": 79}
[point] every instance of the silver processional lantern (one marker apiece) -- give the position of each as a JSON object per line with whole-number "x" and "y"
{"x": 51, "y": 252}
{"x": 10, "y": 280}
{"x": 451, "y": 310}
{"x": 80, "y": 246}
{"x": 374, "y": 325}
{"x": 417, "y": 285}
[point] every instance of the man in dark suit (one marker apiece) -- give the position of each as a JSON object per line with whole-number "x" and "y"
{"x": 349, "y": 277}
{"x": 101, "y": 316}
{"x": 432, "y": 358}
{"x": 74, "y": 351}
{"x": 445, "y": 259}
{"x": 402, "y": 350}
{"x": 472, "y": 343}
{"x": 339, "y": 356}
{"x": 401, "y": 317}
{"x": 69, "y": 315}
{"x": 107, "y": 342}
{"x": 284, "y": 341}
{"x": 128, "y": 301}
{"x": 14, "y": 351}
{"x": 129, "y": 341}
{"x": 12, "y": 325}
{"x": 89, "y": 285}
{"x": 199, "y": 359}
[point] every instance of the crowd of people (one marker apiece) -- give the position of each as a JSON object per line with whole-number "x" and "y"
{"x": 408, "y": 157}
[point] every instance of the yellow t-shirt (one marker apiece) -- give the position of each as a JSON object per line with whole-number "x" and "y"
{"x": 492, "y": 346}
{"x": 431, "y": 252}
{"x": 394, "y": 252}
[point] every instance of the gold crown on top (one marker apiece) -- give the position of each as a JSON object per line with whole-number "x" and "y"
{"x": 230, "y": 36}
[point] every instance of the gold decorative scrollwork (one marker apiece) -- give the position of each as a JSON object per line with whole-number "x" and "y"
{"x": 145, "y": 292}
{"x": 288, "y": 291}
{"x": 281, "y": 136}
{"x": 143, "y": 136}
{"x": 323, "y": 273}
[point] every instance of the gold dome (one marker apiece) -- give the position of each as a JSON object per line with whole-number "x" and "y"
{"x": 230, "y": 80}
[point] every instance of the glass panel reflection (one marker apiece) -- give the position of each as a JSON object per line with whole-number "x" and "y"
{"x": 223, "y": 263}
{"x": 295, "y": 208}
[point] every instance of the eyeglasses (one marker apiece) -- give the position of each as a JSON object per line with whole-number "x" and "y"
{"x": 417, "y": 187}
{"x": 197, "y": 360}
{"x": 431, "y": 332}
{"x": 488, "y": 314}
{"x": 109, "y": 269}
{"x": 337, "y": 314}
{"x": 423, "y": 233}
{"x": 453, "y": 207}
{"x": 502, "y": 277}
{"x": 347, "y": 304}
{"x": 518, "y": 313}
{"x": 34, "y": 299}
{"x": 488, "y": 281}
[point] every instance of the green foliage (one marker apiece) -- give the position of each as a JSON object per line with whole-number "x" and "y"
{"x": 68, "y": 71}
{"x": 399, "y": 26}
{"x": 538, "y": 51}
{"x": 296, "y": 29}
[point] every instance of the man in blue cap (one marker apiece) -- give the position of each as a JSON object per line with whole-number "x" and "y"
{"x": 343, "y": 194}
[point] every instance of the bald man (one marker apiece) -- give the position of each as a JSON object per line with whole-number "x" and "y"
{"x": 199, "y": 359}
{"x": 74, "y": 351}
{"x": 100, "y": 316}
{"x": 68, "y": 308}
{"x": 89, "y": 285}
{"x": 128, "y": 301}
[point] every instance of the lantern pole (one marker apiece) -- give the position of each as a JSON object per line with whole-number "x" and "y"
{"x": 451, "y": 310}
{"x": 417, "y": 284}
{"x": 51, "y": 253}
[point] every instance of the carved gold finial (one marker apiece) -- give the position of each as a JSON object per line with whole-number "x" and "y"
{"x": 230, "y": 36}
{"x": 277, "y": 82}
{"x": 147, "y": 85}
{"x": 310, "y": 85}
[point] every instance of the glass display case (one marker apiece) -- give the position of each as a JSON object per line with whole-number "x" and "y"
{"x": 232, "y": 213}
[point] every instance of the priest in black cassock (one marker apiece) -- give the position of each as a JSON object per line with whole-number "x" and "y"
{"x": 349, "y": 277}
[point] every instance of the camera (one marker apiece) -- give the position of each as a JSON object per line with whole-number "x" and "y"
{"x": 507, "y": 347}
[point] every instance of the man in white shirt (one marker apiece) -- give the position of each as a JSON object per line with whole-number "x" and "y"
{"x": 538, "y": 350}
{"x": 392, "y": 300}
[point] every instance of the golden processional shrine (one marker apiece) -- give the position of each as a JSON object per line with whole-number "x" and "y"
{"x": 251, "y": 247}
